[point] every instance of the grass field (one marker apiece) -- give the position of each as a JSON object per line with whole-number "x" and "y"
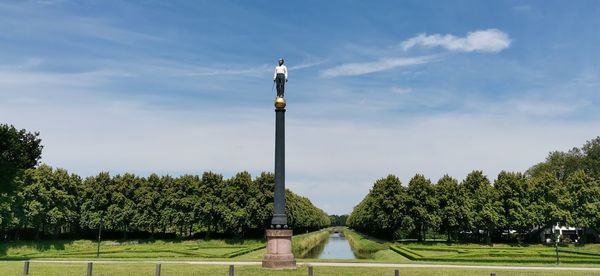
{"x": 505, "y": 254}
{"x": 372, "y": 250}
{"x": 53, "y": 269}
{"x": 440, "y": 252}
{"x": 192, "y": 249}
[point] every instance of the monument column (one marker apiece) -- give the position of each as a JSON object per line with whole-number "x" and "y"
{"x": 279, "y": 236}
{"x": 279, "y": 218}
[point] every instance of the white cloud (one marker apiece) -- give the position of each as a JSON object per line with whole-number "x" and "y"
{"x": 490, "y": 40}
{"x": 361, "y": 68}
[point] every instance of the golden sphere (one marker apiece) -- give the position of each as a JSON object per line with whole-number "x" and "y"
{"x": 279, "y": 102}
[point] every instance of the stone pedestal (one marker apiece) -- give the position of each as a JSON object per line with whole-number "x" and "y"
{"x": 279, "y": 249}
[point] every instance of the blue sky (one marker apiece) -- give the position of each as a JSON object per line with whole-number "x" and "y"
{"x": 402, "y": 87}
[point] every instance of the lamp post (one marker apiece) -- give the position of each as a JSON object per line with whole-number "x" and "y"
{"x": 99, "y": 235}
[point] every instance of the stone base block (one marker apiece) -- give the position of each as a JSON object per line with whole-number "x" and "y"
{"x": 279, "y": 249}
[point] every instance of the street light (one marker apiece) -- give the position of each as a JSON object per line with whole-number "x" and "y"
{"x": 99, "y": 236}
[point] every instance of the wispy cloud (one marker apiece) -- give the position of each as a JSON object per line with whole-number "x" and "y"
{"x": 522, "y": 8}
{"x": 258, "y": 70}
{"x": 250, "y": 71}
{"x": 490, "y": 40}
{"x": 400, "y": 90}
{"x": 305, "y": 65}
{"x": 361, "y": 68}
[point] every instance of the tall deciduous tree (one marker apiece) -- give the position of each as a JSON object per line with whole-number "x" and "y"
{"x": 19, "y": 150}
{"x": 149, "y": 203}
{"x": 550, "y": 201}
{"x": 451, "y": 208}
{"x": 422, "y": 205}
{"x": 95, "y": 198}
{"x": 585, "y": 192}
{"x": 514, "y": 195}
{"x": 591, "y": 159}
{"x": 382, "y": 212}
{"x": 486, "y": 207}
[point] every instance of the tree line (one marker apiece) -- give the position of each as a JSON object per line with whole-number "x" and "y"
{"x": 51, "y": 202}
{"x": 563, "y": 190}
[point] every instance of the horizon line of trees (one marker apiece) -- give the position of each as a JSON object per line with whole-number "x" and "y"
{"x": 564, "y": 190}
{"x": 51, "y": 203}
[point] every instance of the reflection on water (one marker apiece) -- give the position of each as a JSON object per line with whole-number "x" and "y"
{"x": 336, "y": 247}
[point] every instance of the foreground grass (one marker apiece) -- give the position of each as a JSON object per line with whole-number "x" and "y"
{"x": 51, "y": 269}
{"x": 192, "y": 249}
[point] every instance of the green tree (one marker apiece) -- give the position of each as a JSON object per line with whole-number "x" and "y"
{"x": 19, "y": 150}
{"x": 94, "y": 201}
{"x": 422, "y": 205}
{"x": 513, "y": 192}
{"x": 49, "y": 201}
{"x": 210, "y": 207}
{"x": 234, "y": 193}
{"x": 260, "y": 202}
{"x": 168, "y": 203}
{"x": 186, "y": 195}
{"x": 486, "y": 208}
{"x": 8, "y": 220}
{"x": 585, "y": 192}
{"x": 451, "y": 208}
{"x": 382, "y": 212}
{"x": 550, "y": 201}
{"x": 149, "y": 203}
{"x": 591, "y": 157}
{"x": 338, "y": 220}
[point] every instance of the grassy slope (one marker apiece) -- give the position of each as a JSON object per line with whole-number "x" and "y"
{"x": 47, "y": 269}
{"x": 305, "y": 242}
{"x": 363, "y": 246}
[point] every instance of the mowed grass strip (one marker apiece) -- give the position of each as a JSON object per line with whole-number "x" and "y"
{"x": 302, "y": 244}
{"x": 363, "y": 246}
{"x": 61, "y": 269}
{"x": 472, "y": 253}
{"x": 129, "y": 249}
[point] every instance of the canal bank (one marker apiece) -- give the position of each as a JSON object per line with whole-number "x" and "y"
{"x": 337, "y": 243}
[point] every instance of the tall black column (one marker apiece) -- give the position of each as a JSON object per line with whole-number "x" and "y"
{"x": 279, "y": 218}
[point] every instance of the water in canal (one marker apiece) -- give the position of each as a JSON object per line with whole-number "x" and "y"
{"x": 336, "y": 247}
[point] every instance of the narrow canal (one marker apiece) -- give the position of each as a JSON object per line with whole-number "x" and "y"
{"x": 336, "y": 247}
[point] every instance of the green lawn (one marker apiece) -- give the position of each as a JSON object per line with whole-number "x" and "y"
{"x": 52, "y": 269}
{"x": 505, "y": 254}
{"x": 375, "y": 251}
{"x": 192, "y": 249}
{"x": 498, "y": 253}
